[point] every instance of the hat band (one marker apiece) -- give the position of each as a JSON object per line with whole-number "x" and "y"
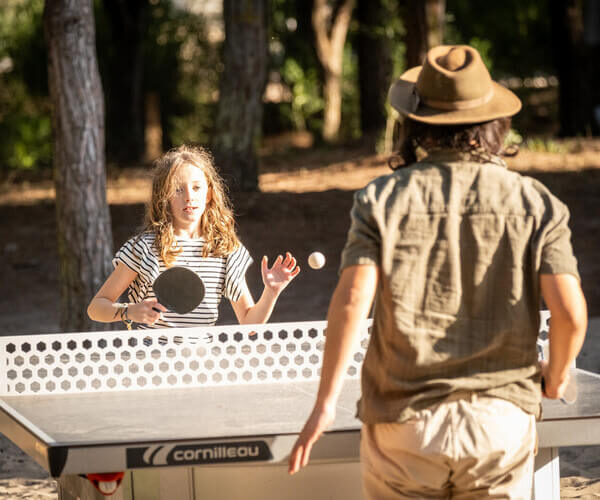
{"x": 458, "y": 105}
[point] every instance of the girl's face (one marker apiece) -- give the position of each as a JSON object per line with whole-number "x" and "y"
{"x": 189, "y": 200}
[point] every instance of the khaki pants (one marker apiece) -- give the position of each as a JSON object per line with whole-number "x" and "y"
{"x": 465, "y": 448}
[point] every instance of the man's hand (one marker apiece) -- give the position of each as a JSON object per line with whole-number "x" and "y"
{"x": 349, "y": 305}
{"x": 551, "y": 387}
{"x": 319, "y": 420}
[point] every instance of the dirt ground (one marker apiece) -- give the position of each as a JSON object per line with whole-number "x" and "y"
{"x": 303, "y": 206}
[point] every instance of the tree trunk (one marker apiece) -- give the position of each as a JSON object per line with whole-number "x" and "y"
{"x": 83, "y": 218}
{"x": 331, "y": 29}
{"x": 239, "y": 116}
{"x": 125, "y": 110}
{"x": 154, "y": 137}
{"x": 424, "y": 20}
{"x": 374, "y": 67}
{"x": 332, "y": 117}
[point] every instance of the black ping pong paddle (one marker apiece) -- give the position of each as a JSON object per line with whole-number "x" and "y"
{"x": 179, "y": 289}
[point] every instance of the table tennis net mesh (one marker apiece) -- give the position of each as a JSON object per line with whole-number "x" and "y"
{"x": 170, "y": 358}
{"x": 167, "y": 358}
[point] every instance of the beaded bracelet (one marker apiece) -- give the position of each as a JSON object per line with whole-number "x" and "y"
{"x": 125, "y": 317}
{"x": 122, "y": 309}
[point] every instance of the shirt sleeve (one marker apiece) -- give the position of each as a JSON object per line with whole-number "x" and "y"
{"x": 137, "y": 255}
{"x": 235, "y": 273}
{"x": 364, "y": 238}
{"x": 555, "y": 239}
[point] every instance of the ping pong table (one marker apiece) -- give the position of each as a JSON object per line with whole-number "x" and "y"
{"x": 209, "y": 412}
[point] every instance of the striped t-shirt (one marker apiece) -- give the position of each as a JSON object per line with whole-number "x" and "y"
{"x": 222, "y": 277}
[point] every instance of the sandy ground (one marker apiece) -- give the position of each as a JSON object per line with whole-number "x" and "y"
{"x": 303, "y": 206}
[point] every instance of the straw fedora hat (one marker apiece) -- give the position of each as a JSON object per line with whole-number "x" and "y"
{"x": 452, "y": 87}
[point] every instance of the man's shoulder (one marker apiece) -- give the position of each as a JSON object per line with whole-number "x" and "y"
{"x": 494, "y": 186}
{"x": 530, "y": 189}
{"x": 401, "y": 176}
{"x": 419, "y": 176}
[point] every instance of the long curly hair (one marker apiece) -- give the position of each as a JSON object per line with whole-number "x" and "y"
{"x": 217, "y": 224}
{"x": 479, "y": 140}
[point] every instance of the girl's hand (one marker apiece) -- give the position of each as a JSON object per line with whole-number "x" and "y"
{"x": 148, "y": 311}
{"x": 282, "y": 272}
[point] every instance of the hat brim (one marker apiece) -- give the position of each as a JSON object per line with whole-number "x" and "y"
{"x": 502, "y": 104}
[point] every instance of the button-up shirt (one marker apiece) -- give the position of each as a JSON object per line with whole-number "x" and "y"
{"x": 460, "y": 246}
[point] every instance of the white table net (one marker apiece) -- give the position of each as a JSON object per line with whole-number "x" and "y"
{"x": 168, "y": 358}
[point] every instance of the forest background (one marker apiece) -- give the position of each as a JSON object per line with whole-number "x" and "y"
{"x": 290, "y": 95}
{"x": 101, "y": 88}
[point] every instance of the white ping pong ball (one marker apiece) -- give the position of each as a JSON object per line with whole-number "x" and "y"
{"x": 316, "y": 260}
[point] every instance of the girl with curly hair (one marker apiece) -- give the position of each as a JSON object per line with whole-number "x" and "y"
{"x": 189, "y": 223}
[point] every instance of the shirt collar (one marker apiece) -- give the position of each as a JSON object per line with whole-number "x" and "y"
{"x": 452, "y": 156}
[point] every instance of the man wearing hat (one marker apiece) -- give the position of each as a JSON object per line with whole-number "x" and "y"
{"x": 457, "y": 252}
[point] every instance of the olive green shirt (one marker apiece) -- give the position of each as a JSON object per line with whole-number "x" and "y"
{"x": 460, "y": 246}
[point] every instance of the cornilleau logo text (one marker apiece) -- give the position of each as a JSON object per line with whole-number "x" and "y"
{"x": 216, "y": 452}
{"x": 198, "y": 453}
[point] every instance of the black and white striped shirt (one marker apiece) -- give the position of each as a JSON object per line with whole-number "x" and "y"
{"x": 222, "y": 277}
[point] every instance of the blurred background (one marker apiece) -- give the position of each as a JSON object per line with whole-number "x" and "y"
{"x": 161, "y": 62}
{"x": 289, "y": 95}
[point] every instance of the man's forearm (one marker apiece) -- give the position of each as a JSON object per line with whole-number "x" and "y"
{"x": 566, "y": 339}
{"x": 568, "y": 322}
{"x": 350, "y": 305}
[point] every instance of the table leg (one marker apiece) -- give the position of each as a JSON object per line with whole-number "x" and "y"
{"x": 79, "y": 488}
{"x": 546, "y": 479}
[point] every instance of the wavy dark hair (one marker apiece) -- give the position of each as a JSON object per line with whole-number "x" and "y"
{"x": 479, "y": 140}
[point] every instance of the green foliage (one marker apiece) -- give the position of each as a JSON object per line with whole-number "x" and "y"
{"x": 513, "y": 35}
{"x": 513, "y": 137}
{"x": 294, "y": 67}
{"x": 536, "y": 144}
{"x": 395, "y": 31}
{"x": 180, "y": 66}
{"x": 25, "y": 128}
{"x": 306, "y": 100}
{"x": 183, "y": 68}
{"x": 350, "y": 127}
{"x": 545, "y": 145}
{"x": 26, "y": 142}
{"x": 484, "y": 47}
{"x": 22, "y": 41}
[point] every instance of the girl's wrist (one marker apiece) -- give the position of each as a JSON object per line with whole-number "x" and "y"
{"x": 271, "y": 292}
{"x": 123, "y": 314}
